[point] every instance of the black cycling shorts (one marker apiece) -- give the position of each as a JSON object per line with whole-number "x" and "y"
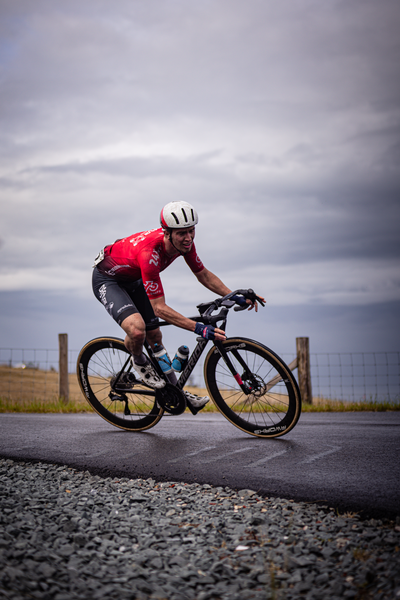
{"x": 122, "y": 299}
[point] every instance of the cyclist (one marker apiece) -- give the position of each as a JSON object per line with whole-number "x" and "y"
{"x": 126, "y": 280}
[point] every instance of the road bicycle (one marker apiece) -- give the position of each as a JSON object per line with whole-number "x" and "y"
{"x": 248, "y": 383}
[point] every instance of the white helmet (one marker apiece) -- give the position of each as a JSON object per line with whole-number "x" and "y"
{"x": 177, "y": 215}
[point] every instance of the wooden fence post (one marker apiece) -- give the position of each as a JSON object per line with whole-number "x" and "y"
{"x": 63, "y": 383}
{"x": 304, "y": 369}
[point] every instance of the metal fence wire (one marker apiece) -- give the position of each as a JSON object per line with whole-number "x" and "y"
{"x": 355, "y": 376}
{"x": 32, "y": 374}
{"x": 336, "y": 376}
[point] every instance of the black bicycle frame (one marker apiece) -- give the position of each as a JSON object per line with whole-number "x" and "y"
{"x": 192, "y": 362}
{"x": 199, "y": 349}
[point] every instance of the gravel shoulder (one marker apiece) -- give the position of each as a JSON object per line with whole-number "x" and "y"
{"x": 67, "y": 534}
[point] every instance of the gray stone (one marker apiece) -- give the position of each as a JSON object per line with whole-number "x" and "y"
{"x": 97, "y": 542}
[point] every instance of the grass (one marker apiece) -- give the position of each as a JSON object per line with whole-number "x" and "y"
{"x": 40, "y": 405}
{"x": 328, "y": 405}
{"x": 79, "y": 405}
{"x": 35, "y": 390}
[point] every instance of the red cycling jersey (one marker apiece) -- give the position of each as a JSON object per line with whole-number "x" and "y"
{"x": 143, "y": 256}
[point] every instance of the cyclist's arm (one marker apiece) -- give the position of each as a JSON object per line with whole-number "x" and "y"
{"x": 212, "y": 282}
{"x": 165, "y": 312}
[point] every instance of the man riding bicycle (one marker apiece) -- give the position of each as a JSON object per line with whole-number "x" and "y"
{"x": 126, "y": 280}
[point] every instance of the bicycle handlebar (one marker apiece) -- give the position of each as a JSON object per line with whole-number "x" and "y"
{"x": 225, "y": 303}
{"x": 250, "y": 295}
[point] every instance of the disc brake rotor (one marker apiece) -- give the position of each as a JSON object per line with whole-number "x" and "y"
{"x": 255, "y": 385}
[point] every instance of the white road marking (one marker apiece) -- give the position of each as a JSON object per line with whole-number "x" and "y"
{"x": 174, "y": 460}
{"x": 261, "y": 461}
{"x": 227, "y": 454}
{"x": 321, "y": 455}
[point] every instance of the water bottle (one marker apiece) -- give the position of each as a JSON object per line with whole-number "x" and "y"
{"x": 163, "y": 359}
{"x": 180, "y": 359}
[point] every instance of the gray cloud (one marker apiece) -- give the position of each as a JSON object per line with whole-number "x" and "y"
{"x": 278, "y": 121}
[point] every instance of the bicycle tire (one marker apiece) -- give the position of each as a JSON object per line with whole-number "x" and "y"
{"x": 274, "y": 407}
{"x": 99, "y": 361}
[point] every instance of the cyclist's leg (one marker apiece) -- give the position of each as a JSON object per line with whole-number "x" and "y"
{"x": 118, "y": 300}
{"x": 153, "y": 336}
{"x": 149, "y": 328}
{"x": 149, "y": 325}
{"x": 152, "y": 329}
{"x": 135, "y": 329}
{"x": 114, "y": 298}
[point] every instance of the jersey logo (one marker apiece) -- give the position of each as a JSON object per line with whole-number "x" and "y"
{"x": 116, "y": 268}
{"x": 142, "y": 236}
{"x": 155, "y": 258}
{"x": 103, "y": 294}
{"x": 151, "y": 287}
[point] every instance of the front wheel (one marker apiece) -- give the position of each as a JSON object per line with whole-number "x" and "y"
{"x": 261, "y": 397}
{"x": 106, "y": 379}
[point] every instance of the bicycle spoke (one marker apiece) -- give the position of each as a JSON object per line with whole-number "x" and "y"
{"x": 267, "y": 398}
{"x": 100, "y": 363}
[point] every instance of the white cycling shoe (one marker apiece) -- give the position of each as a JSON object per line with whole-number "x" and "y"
{"x": 196, "y": 401}
{"x": 148, "y": 375}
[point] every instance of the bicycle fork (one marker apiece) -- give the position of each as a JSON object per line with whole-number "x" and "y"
{"x": 246, "y": 386}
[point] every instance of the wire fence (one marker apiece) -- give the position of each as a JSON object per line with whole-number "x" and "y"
{"x": 335, "y": 376}
{"x": 355, "y": 376}
{"x": 33, "y": 374}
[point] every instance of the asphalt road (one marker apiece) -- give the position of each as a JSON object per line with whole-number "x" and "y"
{"x": 349, "y": 461}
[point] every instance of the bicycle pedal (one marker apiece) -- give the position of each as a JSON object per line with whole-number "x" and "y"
{"x": 192, "y": 409}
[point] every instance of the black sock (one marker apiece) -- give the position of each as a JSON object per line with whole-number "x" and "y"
{"x": 140, "y": 359}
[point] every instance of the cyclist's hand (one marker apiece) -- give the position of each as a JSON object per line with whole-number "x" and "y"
{"x": 251, "y": 302}
{"x": 254, "y": 304}
{"x": 240, "y": 300}
{"x": 209, "y": 332}
{"x": 253, "y": 299}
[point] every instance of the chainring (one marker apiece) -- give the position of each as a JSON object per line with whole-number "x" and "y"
{"x": 171, "y": 399}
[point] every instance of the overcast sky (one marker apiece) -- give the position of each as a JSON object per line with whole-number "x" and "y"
{"x": 278, "y": 120}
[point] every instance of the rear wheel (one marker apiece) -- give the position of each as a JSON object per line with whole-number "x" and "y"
{"x": 263, "y": 399}
{"x": 111, "y": 388}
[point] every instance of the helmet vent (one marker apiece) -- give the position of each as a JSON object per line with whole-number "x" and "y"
{"x": 178, "y": 215}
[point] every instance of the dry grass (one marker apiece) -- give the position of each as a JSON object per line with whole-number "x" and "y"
{"x": 328, "y": 405}
{"x": 34, "y": 390}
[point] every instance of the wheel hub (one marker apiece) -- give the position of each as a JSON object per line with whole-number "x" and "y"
{"x": 254, "y": 384}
